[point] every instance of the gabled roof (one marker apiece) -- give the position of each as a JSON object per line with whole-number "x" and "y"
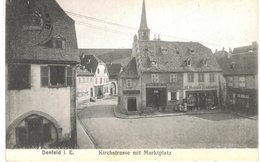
{"x": 113, "y": 70}
{"x": 244, "y": 64}
{"x": 90, "y": 62}
{"x": 163, "y": 56}
{"x": 130, "y": 71}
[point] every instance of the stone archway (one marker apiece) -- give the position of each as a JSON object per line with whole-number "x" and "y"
{"x": 113, "y": 88}
{"x": 11, "y": 130}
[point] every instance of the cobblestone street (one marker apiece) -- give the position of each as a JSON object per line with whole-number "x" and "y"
{"x": 218, "y": 130}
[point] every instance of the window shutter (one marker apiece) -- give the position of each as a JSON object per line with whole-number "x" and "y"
{"x": 169, "y": 96}
{"x": 177, "y": 95}
{"x": 44, "y": 76}
{"x": 69, "y": 76}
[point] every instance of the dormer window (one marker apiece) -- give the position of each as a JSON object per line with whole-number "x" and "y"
{"x": 188, "y": 62}
{"x": 192, "y": 51}
{"x": 204, "y": 62}
{"x": 164, "y": 51}
{"x": 232, "y": 65}
{"x": 56, "y": 42}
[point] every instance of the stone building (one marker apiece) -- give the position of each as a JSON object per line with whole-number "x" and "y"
{"x": 41, "y": 54}
{"x": 240, "y": 72}
{"x": 163, "y": 75}
{"x": 101, "y": 77}
{"x": 84, "y": 84}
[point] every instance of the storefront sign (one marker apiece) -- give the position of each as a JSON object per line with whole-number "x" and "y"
{"x": 156, "y": 85}
{"x": 131, "y": 92}
{"x": 201, "y": 87}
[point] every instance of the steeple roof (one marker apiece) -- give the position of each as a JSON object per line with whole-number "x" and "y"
{"x": 143, "y": 23}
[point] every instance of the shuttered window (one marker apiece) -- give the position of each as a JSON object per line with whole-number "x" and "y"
{"x": 69, "y": 76}
{"x": 56, "y": 76}
{"x": 44, "y": 76}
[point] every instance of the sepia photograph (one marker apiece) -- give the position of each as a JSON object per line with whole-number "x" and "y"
{"x": 132, "y": 74}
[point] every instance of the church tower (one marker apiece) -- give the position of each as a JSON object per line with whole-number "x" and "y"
{"x": 144, "y": 31}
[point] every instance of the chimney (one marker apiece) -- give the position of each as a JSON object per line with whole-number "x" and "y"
{"x": 154, "y": 37}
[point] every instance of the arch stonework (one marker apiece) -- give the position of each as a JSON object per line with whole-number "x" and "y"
{"x": 18, "y": 120}
{"x": 115, "y": 85}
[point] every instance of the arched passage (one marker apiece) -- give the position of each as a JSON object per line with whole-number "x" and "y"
{"x": 31, "y": 129}
{"x": 113, "y": 88}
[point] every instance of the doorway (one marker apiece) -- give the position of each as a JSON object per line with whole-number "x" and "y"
{"x": 156, "y": 97}
{"x": 131, "y": 104}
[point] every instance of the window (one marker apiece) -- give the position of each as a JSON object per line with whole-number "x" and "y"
{"x": 98, "y": 71}
{"x": 91, "y": 80}
{"x": 105, "y": 71}
{"x": 188, "y": 62}
{"x": 201, "y": 77}
{"x": 242, "y": 81}
{"x": 190, "y": 77}
{"x": 58, "y": 43}
{"x": 173, "y": 96}
{"x": 204, "y": 62}
{"x": 173, "y": 78}
{"x": 129, "y": 83}
{"x": 100, "y": 80}
{"x": 155, "y": 78}
{"x": 19, "y": 76}
{"x": 96, "y": 80}
{"x": 212, "y": 77}
{"x": 230, "y": 81}
{"x": 56, "y": 76}
{"x": 87, "y": 79}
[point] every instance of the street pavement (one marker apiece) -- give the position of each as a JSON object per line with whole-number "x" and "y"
{"x": 219, "y": 130}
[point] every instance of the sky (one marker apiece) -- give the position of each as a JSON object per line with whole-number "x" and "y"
{"x": 215, "y": 24}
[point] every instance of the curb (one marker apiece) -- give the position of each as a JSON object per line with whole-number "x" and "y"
{"x": 244, "y": 116}
{"x": 88, "y": 133}
{"x": 123, "y": 116}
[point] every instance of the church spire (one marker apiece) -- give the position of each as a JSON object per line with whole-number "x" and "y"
{"x": 143, "y": 23}
{"x": 144, "y": 31}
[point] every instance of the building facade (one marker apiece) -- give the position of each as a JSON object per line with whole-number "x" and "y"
{"x": 101, "y": 77}
{"x": 85, "y": 84}
{"x": 240, "y": 71}
{"x": 41, "y": 54}
{"x": 164, "y": 76}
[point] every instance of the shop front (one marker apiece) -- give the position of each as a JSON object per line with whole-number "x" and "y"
{"x": 156, "y": 97}
{"x": 243, "y": 100}
{"x": 205, "y": 99}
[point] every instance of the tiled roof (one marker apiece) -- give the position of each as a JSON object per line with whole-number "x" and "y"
{"x": 113, "y": 70}
{"x": 90, "y": 62}
{"x": 28, "y": 45}
{"x": 130, "y": 71}
{"x": 110, "y": 55}
{"x": 40, "y": 53}
{"x": 244, "y": 64}
{"x": 220, "y": 54}
{"x": 245, "y": 49}
{"x": 172, "y": 57}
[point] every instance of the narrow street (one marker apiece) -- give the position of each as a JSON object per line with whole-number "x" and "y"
{"x": 218, "y": 130}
